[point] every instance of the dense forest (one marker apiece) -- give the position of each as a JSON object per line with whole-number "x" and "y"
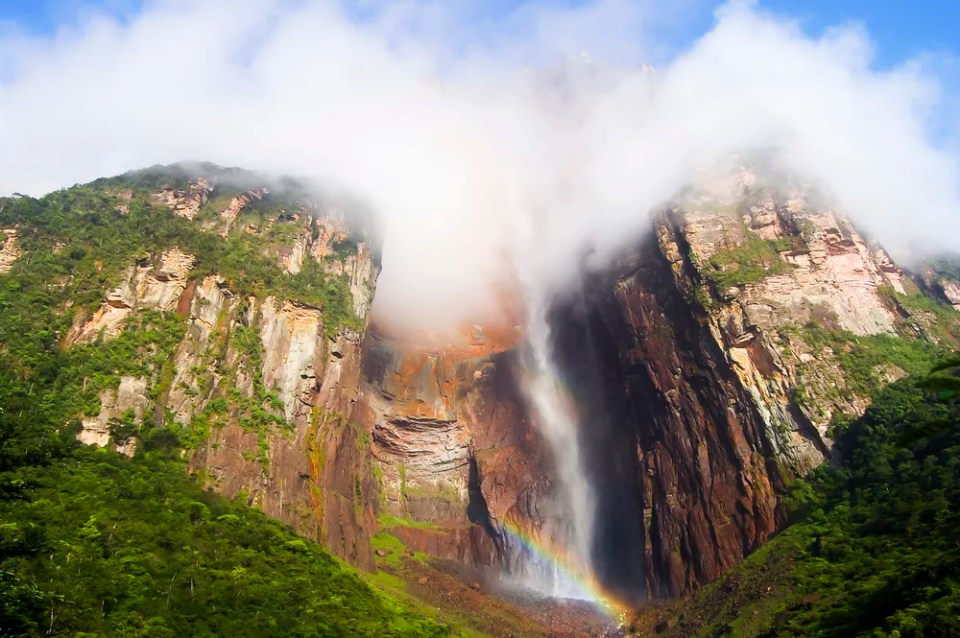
{"x": 94, "y": 544}
{"x": 874, "y": 548}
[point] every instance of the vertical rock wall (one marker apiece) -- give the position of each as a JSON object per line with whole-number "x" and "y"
{"x": 262, "y": 390}
{"x": 699, "y": 392}
{"x": 686, "y": 359}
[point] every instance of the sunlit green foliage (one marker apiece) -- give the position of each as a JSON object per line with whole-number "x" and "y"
{"x": 874, "y": 551}
{"x": 864, "y": 358}
{"x": 748, "y": 263}
{"x": 94, "y": 544}
{"x": 76, "y": 245}
{"x": 103, "y": 545}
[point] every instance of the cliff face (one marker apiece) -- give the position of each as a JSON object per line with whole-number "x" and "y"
{"x": 9, "y": 250}
{"x": 706, "y": 366}
{"x": 451, "y": 439}
{"x": 818, "y": 271}
{"x": 150, "y": 284}
{"x": 711, "y": 337}
{"x": 942, "y": 278}
{"x": 311, "y": 471}
{"x": 261, "y": 389}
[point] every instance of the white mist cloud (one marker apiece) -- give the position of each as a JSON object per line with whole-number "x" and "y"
{"x": 482, "y": 145}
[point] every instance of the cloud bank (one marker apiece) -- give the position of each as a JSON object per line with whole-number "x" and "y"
{"x": 485, "y": 145}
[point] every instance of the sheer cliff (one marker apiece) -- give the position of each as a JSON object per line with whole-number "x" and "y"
{"x": 221, "y": 313}
{"x": 708, "y": 364}
{"x": 229, "y": 316}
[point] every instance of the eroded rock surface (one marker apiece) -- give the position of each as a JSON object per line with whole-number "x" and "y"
{"x": 359, "y": 269}
{"x": 9, "y": 249}
{"x": 951, "y": 290}
{"x": 709, "y": 367}
{"x": 128, "y": 400}
{"x": 185, "y": 203}
{"x": 229, "y": 214}
{"x": 261, "y": 390}
{"x": 698, "y": 391}
{"x": 150, "y": 285}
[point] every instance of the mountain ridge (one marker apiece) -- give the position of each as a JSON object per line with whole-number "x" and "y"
{"x": 229, "y": 316}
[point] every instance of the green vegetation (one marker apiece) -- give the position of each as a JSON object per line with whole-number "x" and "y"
{"x": 331, "y": 293}
{"x": 748, "y": 263}
{"x": 95, "y": 544}
{"x": 402, "y": 471}
{"x": 75, "y": 244}
{"x": 865, "y": 358}
{"x": 946, "y": 265}
{"x": 438, "y": 490}
{"x": 389, "y": 548}
{"x": 387, "y": 521}
{"x": 873, "y": 551}
{"x": 934, "y": 316}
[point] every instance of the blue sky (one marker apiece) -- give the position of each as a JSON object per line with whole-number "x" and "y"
{"x": 899, "y": 29}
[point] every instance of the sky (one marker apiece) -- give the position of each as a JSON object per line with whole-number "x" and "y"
{"x": 497, "y": 141}
{"x": 899, "y": 29}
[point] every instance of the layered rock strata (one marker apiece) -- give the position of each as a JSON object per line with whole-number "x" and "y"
{"x": 690, "y": 361}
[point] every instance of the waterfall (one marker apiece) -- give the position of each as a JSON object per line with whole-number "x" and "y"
{"x": 557, "y": 419}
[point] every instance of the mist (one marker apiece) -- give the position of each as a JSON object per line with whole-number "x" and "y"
{"x": 488, "y": 153}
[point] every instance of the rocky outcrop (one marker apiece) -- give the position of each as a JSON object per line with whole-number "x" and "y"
{"x": 9, "y": 249}
{"x": 699, "y": 336}
{"x": 150, "y": 285}
{"x": 209, "y": 307}
{"x": 461, "y": 460}
{"x": 313, "y": 471}
{"x": 260, "y": 390}
{"x": 291, "y": 257}
{"x": 951, "y": 290}
{"x": 125, "y": 196}
{"x": 359, "y": 269}
{"x": 185, "y": 203}
{"x": 229, "y": 214}
{"x": 291, "y": 338}
{"x": 120, "y": 417}
{"x": 942, "y": 278}
{"x": 330, "y": 232}
{"x": 820, "y": 271}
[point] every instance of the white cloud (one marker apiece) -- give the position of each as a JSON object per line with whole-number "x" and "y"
{"x": 482, "y": 146}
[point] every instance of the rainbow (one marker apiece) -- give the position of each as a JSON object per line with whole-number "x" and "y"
{"x": 585, "y": 582}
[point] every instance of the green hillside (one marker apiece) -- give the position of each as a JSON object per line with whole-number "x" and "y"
{"x": 94, "y": 544}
